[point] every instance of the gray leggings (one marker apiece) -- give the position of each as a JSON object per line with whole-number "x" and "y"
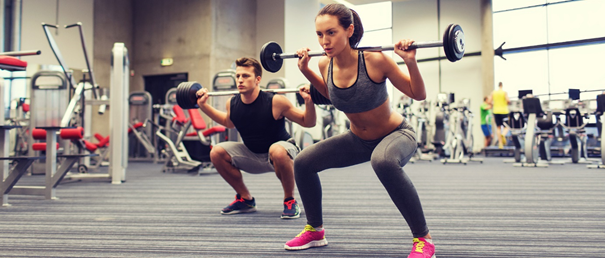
{"x": 387, "y": 156}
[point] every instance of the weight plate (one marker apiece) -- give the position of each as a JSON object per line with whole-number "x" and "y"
{"x": 178, "y": 94}
{"x": 458, "y": 41}
{"x": 185, "y": 94}
{"x": 191, "y": 94}
{"x": 447, "y": 46}
{"x": 266, "y": 57}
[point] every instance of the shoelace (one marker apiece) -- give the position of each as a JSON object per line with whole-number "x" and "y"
{"x": 290, "y": 203}
{"x": 238, "y": 200}
{"x": 307, "y": 228}
{"x": 418, "y": 245}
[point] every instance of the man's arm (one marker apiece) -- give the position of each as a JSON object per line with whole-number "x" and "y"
{"x": 214, "y": 114}
{"x": 305, "y": 118}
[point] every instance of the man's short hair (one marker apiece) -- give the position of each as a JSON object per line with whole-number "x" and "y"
{"x": 247, "y": 62}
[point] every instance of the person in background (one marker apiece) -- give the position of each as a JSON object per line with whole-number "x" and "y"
{"x": 486, "y": 120}
{"x": 499, "y": 100}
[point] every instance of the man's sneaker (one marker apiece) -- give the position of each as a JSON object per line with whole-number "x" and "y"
{"x": 308, "y": 238}
{"x": 240, "y": 206}
{"x": 291, "y": 210}
{"x": 422, "y": 249}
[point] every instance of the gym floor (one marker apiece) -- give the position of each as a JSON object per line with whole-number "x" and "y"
{"x": 476, "y": 210}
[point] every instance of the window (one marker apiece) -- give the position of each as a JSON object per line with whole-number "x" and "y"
{"x": 523, "y": 23}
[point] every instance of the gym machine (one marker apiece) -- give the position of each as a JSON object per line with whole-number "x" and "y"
{"x": 536, "y": 141}
{"x": 223, "y": 81}
{"x": 600, "y": 110}
{"x": 440, "y": 135}
{"x": 575, "y": 117}
{"x": 141, "y": 147}
{"x": 517, "y": 125}
{"x": 460, "y": 140}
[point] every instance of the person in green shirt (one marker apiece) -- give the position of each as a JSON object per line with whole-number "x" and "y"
{"x": 486, "y": 120}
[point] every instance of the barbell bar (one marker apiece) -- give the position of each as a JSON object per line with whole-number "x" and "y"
{"x": 186, "y": 96}
{"x": 272, "y": 56}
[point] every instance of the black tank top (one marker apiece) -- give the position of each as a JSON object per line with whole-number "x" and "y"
{"x": 255, "y": 122}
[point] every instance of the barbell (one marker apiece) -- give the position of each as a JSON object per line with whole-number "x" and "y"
{"x": 186, "y": 96}
{"x": 272, "y": 57}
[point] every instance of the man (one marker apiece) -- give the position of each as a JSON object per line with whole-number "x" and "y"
{"x": 500, "y": 101}
{"x": 486, "y": 121}
{"x": 259, "y": 118}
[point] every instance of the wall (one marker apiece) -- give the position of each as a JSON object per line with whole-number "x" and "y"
{"x": 180, "y": 31}
{"x": 113, "y": 22}
{"x": 419, "y": 20}
{"x": 59, "y": 12}
{"x": 270, "y": 26}
{"x": 299, "y": 33}
{"x": 234, "y": 28}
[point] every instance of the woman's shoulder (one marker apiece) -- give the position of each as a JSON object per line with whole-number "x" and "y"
{"x": 376, "y": 58}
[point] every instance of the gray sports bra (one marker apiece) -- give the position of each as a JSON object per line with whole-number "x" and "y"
{"x": 362, "y": 96}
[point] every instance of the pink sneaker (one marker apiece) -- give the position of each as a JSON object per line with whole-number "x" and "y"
{"x": 422, "y": 249}
{"x": 306, "y": 239}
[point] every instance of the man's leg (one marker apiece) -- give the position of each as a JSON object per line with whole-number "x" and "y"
{"x": 284, "y": 168}
{"x": 233, "y": 176}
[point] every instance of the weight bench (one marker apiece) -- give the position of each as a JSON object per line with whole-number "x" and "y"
{"x": 52, "y": 180}
{"x": 53, "y": 174}
{"x": 18, "y": 169}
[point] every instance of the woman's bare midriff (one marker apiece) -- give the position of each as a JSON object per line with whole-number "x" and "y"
{"x": 376, "y": 123}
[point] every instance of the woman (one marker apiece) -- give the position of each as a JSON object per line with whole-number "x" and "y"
{"x": 355, "y": 83}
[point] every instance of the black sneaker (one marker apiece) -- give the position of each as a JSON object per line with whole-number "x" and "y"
{"x": 240, "y": 206}
{"x": 291, "y": 210}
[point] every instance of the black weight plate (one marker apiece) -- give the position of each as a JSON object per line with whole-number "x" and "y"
{"x": 177, "y": 94}
{"x": 191, "y": 93}
{"x": 458, "y": 41}
{"x": 447, "y": 46}
{"x": 266, "y": 57}
{"x": 180, "y": 96}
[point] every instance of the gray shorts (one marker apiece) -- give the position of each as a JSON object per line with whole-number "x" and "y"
{"x": 255, "y": 163}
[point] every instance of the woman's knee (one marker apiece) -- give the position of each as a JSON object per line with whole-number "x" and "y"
{"x": 383, "y": 165}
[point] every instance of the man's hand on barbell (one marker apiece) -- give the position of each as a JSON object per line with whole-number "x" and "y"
{"x": 202, "y": 96}
{"x": 304, "y": 92}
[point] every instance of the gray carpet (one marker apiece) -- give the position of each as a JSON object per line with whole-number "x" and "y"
{"x": 477, "y": 210}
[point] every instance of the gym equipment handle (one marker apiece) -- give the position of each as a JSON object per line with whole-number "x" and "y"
{"x": 21, "y": 53}
{"x": 414, "y": 45}
{"x": 73, "y": 25}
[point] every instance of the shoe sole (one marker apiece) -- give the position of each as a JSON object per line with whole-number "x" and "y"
{"x": 239, "y": 211}
{"x": 316, "y": 243}
{"x": 290, "y": 216}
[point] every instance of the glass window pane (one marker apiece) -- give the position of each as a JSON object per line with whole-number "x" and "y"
{"x": 576, "y": 20}
{"x": 519, "y": 28}
{"x": 375, "y": 16}
{"x": 377, "y": 38}
{"x": 522, "y": 71}
{"x": 577, "y": 68}
{"x": 499, "y": 5}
